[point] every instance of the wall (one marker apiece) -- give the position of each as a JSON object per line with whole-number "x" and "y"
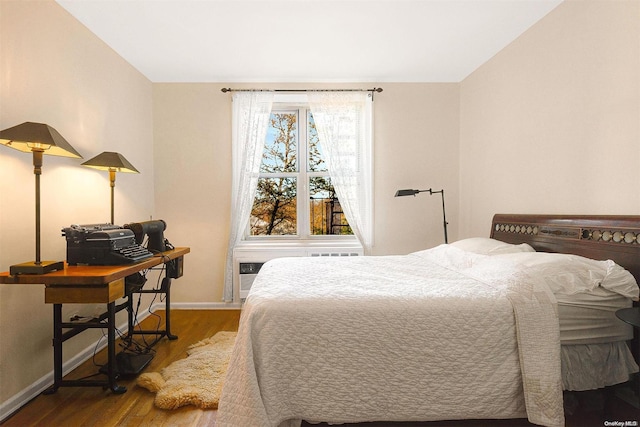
{"x": 551, "y": 124}
{"x": 416, "y": 127}
{"x": 54, "y": 71}
{"x": 416, "y": 134}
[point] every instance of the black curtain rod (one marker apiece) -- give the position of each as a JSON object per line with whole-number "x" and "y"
{"x": 227, "y": 89}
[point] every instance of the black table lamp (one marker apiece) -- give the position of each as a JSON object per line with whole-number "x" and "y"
{"x": 39, "y": 139}
{"x": 401, "y": 193}
{"x": 112, "y": 162}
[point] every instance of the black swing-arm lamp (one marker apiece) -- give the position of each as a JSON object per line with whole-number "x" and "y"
{"x": 401, "y": 193}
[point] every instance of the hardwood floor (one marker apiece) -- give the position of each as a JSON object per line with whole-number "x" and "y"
{"x": 93, "y": 406}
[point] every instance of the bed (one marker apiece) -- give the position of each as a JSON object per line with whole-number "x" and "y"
{"x": 482, "y": 328}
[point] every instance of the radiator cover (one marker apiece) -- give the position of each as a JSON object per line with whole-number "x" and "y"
{"x": 249, "y": 258}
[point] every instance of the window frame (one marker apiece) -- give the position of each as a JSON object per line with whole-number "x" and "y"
{"x": 302, "y": 177}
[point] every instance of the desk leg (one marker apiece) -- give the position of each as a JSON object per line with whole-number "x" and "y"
{"x": 57, "y": 349}
{"x": 129, "y": 315}
{"x": 111, "y": 349}
{"x": 167, "y": 288}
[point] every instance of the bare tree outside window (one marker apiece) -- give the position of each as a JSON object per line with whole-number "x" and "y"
{"x": 283, "y": 178}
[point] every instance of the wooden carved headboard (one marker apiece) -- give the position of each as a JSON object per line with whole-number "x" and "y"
{"x": 600, "y": 237}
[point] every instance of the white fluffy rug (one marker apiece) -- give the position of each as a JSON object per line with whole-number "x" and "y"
{"x": 196, "y": 380}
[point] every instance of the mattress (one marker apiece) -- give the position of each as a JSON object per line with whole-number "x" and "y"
{"x": 586, "y": 318}
{"x": 400, "y": 338}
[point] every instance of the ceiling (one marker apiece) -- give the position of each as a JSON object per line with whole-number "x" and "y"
{"x": 307, "y": 40}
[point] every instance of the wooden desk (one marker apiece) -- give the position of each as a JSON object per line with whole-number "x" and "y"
{"x": 88, "y": 285}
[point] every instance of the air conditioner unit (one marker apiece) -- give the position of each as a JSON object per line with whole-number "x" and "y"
{"x": 247, "y": 260}
{"x": 247, "y": 263}
{"x": 247, "y": 272}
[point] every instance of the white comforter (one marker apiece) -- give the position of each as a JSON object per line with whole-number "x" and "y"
{"x": 438, "y": 334}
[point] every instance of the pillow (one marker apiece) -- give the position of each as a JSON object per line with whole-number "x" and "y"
{"x": 570, "y": 274}
{"x": 487, "y": 246}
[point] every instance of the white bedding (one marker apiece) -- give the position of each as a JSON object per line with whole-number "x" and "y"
{"x": 439, "y": 334}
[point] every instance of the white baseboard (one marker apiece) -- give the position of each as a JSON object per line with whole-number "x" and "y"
{"x": 23, "y": 397}
{"x": 202, "y": 306}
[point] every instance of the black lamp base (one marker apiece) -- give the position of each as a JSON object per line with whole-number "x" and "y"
{"x": 31, "y": 267}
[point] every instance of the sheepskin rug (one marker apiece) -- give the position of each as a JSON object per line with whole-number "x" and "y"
{"x": 196, "y": 380}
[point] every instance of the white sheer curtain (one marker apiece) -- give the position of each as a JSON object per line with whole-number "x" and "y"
{"x": 344, "y": 124}
{"x": 251, "y": 111}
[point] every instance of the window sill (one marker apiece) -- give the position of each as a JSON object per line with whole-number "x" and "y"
{"x": 298, "y": 244}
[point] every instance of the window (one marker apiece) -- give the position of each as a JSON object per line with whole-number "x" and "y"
{"x": 295, "y": 197}
{"x": 343, "y": 121}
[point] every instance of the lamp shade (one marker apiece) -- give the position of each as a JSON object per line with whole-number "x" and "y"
{"x": 401, "y": 193}
{"x": 109, "y": 160}
{"x": 29, "y": 136}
